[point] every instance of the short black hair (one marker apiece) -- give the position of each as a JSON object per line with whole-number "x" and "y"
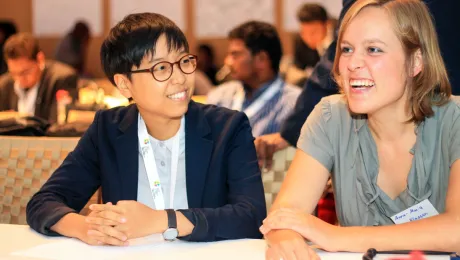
{"x": 21, "y": 45}
{"x": 81, "y": 30}
{"x": 207, "y": 49}
{"x": 8, "y": 28}
{"x": 311, "y": 12}
{"x": 135, "y": 37}
{"x": 260, "y": 36}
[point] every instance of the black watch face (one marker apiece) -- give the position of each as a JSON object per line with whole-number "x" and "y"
{"x": 170, "y": 234}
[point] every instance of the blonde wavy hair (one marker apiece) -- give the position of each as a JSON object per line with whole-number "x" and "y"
{"x": 413, "y": 25}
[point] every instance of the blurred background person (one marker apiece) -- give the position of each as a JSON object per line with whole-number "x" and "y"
{"x": 206, "y": 62}
{"x": 254, "y": 54}
{"x": 313, "y": 38}
{"x": 205, "y": 75}
{"x": 7, "y": 29}
{"x": 316, "y": 32}
{"x": 202, "y": 84}
{"x": 72, "y": 50}
{"x": 31, "y": 84}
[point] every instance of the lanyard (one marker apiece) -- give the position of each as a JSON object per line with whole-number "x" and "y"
{"x": 151, "y": 167}
{"x": 260, "y": 102}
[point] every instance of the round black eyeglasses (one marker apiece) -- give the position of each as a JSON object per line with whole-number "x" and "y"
{"x": 162, "y": 71}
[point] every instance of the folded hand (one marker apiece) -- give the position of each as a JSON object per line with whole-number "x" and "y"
{"x": 127, "y": 219}
{"x": 307, "y": 225}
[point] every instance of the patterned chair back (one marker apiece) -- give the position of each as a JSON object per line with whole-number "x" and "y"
{"x": 273, "y": 179}
{"x": 26, "y": 163}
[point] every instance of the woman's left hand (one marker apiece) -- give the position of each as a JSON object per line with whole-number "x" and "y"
{"x": 309, "y": 226}
{"x": 129, "y": 217}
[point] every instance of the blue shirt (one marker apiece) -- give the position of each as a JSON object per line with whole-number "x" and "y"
{"x": 268, "y": 120}
{"x": 255, "y": 94}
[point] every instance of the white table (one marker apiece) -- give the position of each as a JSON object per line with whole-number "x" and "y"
{"x": 14, "y": 238}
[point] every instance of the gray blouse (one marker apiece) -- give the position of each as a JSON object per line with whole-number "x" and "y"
{"x": 344, "y": 145}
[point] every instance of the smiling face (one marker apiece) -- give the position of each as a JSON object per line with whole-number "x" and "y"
{"x": 168, "y": 99}
{"x": 372, "y": 63}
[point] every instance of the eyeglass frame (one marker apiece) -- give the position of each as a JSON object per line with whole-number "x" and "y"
{"x": 150, "y": 70}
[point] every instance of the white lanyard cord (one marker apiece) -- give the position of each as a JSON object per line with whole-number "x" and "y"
{"x": 260, "y": 102}
{"x": 151, "y": 167}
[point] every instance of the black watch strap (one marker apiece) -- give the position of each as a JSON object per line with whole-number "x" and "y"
{"x": 172, "y": 221}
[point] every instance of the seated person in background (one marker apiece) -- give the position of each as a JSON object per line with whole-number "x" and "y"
{"x": 31, "y": 83}
{"x": 254, "y": 54}
{"x": 7, "y": 28}
{"x": 72, "y": 50}
{"x": 202, "y": 84}
{"x": 314, "y": 36}
{"x": 310, "y": 44}
{"x": 205, "y": 75}
{"x": 206, "y": 62}
{"x": 165, "y": 164}
{"x": 391, "y": 141}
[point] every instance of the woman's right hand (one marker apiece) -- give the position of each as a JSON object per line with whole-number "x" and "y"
{"x": 74, "y": 225}
{"x": 288, "y": 245}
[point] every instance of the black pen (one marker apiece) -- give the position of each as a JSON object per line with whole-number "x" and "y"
{"x": 372, "y": 252}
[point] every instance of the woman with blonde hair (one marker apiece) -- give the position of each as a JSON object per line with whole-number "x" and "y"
{"x": 390, "y": 142}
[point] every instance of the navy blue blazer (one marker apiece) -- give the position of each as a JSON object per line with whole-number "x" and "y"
{"x": 224, "y": 185}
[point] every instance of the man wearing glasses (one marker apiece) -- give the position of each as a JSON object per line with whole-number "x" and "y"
{"x": 31, "y": 83}
{"x": 165, "y": 164}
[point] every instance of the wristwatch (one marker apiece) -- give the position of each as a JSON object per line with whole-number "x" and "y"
{"x": 171, "y": 233}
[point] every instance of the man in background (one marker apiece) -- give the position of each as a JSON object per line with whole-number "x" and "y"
{"x": 254, "y": 54}
{"x": 315, "y": 35}
{"x": 73, "y": 48}
{"x": 31, "y": 83}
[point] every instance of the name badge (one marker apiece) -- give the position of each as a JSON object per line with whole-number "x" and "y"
{"x": 419, "y": 211}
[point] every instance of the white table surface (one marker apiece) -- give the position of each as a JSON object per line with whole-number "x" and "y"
{"x": 14, "y": 238}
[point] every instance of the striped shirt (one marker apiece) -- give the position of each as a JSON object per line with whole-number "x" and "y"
{"x": 268, "y": 120}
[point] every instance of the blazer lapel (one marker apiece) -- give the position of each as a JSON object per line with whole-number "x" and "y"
{"x": 198, "y": 150}
{"x": 126, "y": 148}
{"x": 44, "y": 97}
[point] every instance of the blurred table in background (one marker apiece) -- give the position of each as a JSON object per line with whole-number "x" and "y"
{"x": 199, "y": 99}
{"x": 10, "y": 114}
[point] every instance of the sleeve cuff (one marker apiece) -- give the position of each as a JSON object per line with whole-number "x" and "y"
{"x": 290, "y": 135}
{"x": 201, "y": 230}
{"x": 53, "y": 219}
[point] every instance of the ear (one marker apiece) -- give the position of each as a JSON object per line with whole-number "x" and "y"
{"x": 417, "y": 63}
{"x": 123, "y": 84}
{"x": 262, "y": 60}
{"x": 41, "y": 59}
